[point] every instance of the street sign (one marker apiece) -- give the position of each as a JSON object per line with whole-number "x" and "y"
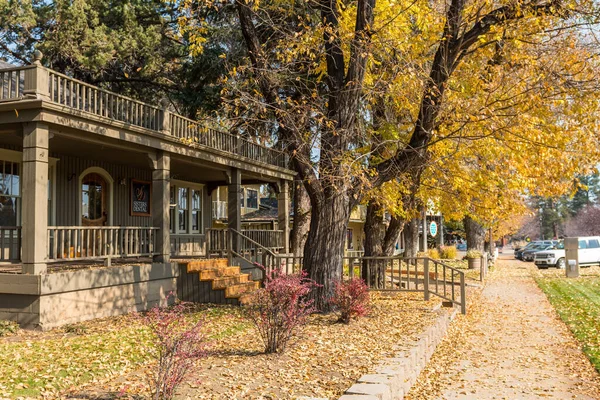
{"x": 433, "y": 228}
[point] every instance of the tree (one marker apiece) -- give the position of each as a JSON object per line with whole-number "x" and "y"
{"x": 505, "y": 74}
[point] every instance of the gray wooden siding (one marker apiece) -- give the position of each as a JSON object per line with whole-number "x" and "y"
{"x": 68, "y": 170}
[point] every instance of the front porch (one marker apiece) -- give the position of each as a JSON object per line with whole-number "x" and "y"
{"x": 100, "y": 194}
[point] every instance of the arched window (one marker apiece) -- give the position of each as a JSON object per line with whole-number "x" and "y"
{"x": 96, "y": 197}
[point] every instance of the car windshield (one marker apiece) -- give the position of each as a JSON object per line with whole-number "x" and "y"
{"x": 560, "y": 246}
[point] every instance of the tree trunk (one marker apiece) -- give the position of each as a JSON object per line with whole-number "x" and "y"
{"x": 475, "y": 234}
{"x": 324, "y": 247}
{"x": 301, "y": 225}
{"x": 412, "y": 238}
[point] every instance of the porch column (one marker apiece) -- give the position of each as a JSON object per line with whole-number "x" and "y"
{"x": 34, "y": 215}
{"x": 207, "y": 208}
{"x": 283, "y": 209}
{"x": 234, "y": 206}
{"x": 161, "y": 187}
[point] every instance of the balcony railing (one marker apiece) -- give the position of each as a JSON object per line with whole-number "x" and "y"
{"x": 67, "y": 243}
{"x": 35, "y": 81}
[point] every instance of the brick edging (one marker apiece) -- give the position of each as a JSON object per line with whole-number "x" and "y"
{"x": 393, "y": 377}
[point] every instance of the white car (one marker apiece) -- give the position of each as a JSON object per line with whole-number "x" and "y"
{"x": 588, "y": 254}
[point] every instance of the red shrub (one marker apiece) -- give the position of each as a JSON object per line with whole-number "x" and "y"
{"x": 177, "y": 345}
{"x": 351, "y": 299}
{"x": 280, "y": 308}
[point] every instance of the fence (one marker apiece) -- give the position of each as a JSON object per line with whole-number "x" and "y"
{"x": 98, "y": 242}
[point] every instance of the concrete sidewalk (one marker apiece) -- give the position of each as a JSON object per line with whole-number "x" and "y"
{"x": 511, "y": 346}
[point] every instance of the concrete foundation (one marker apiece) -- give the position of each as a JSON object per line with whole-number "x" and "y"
{"x": 50, "y": 300}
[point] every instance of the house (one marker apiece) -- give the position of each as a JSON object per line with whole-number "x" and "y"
{"x": 90, "y": 178}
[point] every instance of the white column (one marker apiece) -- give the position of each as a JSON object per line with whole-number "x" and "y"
{"x": 34, "y": 213}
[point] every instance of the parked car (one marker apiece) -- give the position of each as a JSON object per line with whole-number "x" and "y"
{"x": 588, "y": 254}
{"x": 461, "y": 247}
{"x": 519, "y": 251}
{"x": 528, "y": 255}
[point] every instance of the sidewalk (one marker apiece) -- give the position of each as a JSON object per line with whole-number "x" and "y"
{"x": 511, "y": 345}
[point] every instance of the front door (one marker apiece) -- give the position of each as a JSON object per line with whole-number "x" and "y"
{"x": 94, "y": 210}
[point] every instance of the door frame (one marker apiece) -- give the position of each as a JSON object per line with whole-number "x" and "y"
{"x": 109, "y": 198}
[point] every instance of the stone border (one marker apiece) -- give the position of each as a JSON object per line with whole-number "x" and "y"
{"x": 393, "y": 377}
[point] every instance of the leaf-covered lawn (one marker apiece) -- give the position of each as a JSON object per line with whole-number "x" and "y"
{"x": 577, "y": 301}
{"x": 46, "y": 364}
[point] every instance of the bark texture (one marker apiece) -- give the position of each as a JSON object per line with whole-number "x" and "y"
{"x": 475, "y": 234}
{"x": 411, "y": 236}
{"x": 301, "y": 225}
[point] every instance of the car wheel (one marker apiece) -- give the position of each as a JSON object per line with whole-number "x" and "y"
{"x": 560, "y": 263}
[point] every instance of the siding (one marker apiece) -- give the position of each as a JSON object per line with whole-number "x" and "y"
{"x": 68, "y": 170}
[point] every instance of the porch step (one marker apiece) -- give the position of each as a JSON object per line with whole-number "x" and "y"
{"x": 236, "y": 291}
{"x": 210, "y": 274}
{"x": 197, "y": 266}
{"x": 225, "y": 281}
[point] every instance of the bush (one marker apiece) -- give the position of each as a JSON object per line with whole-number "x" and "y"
{"x": 351, "y": 299}
{"x": 434, "y": 253}
{"x": 77, "y": 329}
{"x": 280, "y": 308}
{"x": 8, "y": 328}
{"x": 177, "y": 345}
{"x": 448, "y": 252}
{"x": 471, "y": 254}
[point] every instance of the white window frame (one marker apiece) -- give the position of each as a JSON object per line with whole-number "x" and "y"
{"x": 176, "y": 184}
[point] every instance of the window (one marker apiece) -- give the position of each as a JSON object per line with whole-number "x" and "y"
{"x": 196, "y": 210}
{"x": 593, "y": 244}
{"x": 349, "y": 241}
{"x": 185, "y": 208}
{"x": 252, "y": 198}
{"x": 583, "y": 244}
{"x": 10, "y": 193}
{"x": 182, "y": 205}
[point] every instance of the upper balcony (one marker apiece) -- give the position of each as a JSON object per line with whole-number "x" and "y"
{"x": 35, "y": 82}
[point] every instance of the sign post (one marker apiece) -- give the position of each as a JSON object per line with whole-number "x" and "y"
{"x": 572, "y": 257}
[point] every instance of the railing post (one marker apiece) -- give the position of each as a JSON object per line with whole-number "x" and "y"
{"x": 165, "y": 120}
{"x": 37, "y": 79}
{"x": 426, "y": 278}
{"x": 463, "y": 295}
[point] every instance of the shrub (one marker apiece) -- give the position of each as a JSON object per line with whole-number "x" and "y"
{"x": 8, "y": 328}
{"x": 448, "y": 252}
{"x": 280, "y": 308}
{"x": 351, "y": 299}
{"x": 434, "y": 253}
{"x": 177, "y": 345}
{"x": 77, "y": 329}
{"x": 473, "y": 254}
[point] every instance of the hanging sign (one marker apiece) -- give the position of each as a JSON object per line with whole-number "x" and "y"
{"x": 433, "y": 229}
{"x": 140, "y": 198}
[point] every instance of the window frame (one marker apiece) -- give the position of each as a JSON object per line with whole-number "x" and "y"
{"x": 190, "y": 186}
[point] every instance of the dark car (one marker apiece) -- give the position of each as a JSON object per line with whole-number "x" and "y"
{"x": 528, "y": 254}
{"x": 519, "y": 251}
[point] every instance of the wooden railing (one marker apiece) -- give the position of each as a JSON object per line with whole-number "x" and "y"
{"x": 270, "y": 239}
{"x": 84, "y": 97}
{"x": 187, "y": 245}
{"x": 192, "y": 132}
{"x": 12, "y": 83}
{"x": 36, "y": 81}
{"x": 67, "y": 243}
{"x": 217, "y": 242}
{"x": 10, "y": 243}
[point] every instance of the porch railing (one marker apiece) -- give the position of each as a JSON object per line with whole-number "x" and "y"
{"x": 12, "y": 83}
{"x": 10, "y": 243}
{"x": 269, "y": 239}
{"x": 219, "y": 240}
{"x": 67, "y": 243}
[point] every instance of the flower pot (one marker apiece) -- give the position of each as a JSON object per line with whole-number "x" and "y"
{"x": 474, "y": 263}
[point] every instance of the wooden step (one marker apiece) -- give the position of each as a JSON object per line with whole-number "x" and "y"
{"x": 214, "y": 273}
{"x": 197, "y": 266}
{"x": 236, "y": 291}
{"x": 225, "y": 281}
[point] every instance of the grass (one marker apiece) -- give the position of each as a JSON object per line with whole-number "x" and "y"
{"x": 35, "y": 364}
{"x": 577, "y": 302}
